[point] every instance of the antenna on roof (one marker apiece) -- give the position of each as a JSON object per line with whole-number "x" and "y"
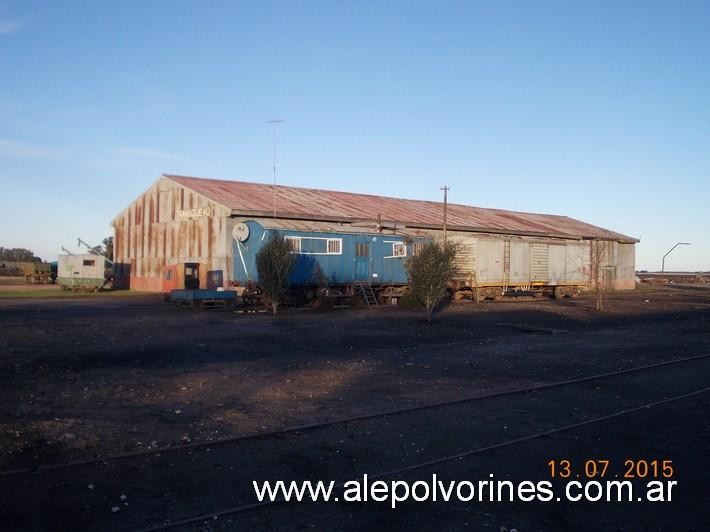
{"x": 446, "y": 190}
{"x": 274, "y": 123}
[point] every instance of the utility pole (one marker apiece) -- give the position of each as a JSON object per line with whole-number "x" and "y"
{"x": 446, "y": 190}
{"x": 274, "y": 123}
{"x": 663, "y": 262}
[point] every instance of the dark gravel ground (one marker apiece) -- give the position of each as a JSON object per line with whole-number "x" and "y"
{"x": 91, "y": 377}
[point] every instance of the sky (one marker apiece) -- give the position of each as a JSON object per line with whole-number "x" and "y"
{"x": 595, "y": 110}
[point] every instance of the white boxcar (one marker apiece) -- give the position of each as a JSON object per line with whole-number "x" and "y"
{"x": 490, "y": 265}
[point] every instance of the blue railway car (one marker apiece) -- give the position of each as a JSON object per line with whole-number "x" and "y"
{"x": 339, "y": 254}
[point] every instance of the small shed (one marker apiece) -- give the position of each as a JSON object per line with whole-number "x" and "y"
{"x": 87, "y": 272}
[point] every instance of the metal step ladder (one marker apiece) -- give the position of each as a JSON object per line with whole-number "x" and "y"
{"x": 364, "y": 288}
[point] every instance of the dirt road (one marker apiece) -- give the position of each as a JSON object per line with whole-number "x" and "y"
{"x": 94, "y": 377}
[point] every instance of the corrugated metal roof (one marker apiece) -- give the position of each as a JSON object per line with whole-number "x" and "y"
{"x": 257, "y": 199}
{"x": 335, "y": 227}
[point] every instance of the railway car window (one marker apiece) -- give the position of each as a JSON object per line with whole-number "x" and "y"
{"x": 399, "y": 249}
{"x": 310, "y": 246}
{"x": 362, "y": 250}
{"x": 295, "y": 243}
{"x": 305, "y": 245}
{"x": 335, "y": 246}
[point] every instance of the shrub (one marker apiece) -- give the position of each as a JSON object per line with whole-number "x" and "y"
{"x": 274, "y": 263}
{"x": 430, "y": 272}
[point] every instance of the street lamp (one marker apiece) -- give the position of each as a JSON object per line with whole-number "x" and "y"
{"x": 663, "y": 262}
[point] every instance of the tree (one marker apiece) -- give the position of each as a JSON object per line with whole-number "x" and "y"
{"x": 274, "y": 263}
{"x": 598, "y": 274}
{"x": 108, "y": 247}
{"x": 430, "y": 273}
{"x": 18, "y": 255}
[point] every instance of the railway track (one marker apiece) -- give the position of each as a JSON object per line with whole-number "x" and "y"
{"x": 205, "y": 518}
{"x": 339, "y": 421}
{"x": 198, "y": 459}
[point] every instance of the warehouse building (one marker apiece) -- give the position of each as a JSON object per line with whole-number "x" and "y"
{"x": 216, "y": 227}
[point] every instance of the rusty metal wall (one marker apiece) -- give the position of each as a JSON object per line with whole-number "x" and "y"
{"x": 169, "y": 224}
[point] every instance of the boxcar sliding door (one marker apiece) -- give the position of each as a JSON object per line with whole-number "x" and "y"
{"x": 489, "y": 262}
{"x": 539, "y": 262}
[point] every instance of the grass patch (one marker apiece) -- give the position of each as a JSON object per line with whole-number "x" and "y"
{"x": 58, "y": 292}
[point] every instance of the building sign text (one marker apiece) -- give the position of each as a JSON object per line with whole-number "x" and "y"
{"x": 201, "y": 212}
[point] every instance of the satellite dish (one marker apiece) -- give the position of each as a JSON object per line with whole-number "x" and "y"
{"x": 240, "y": 231}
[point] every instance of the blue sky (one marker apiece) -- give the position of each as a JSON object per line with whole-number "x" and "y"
{"x": 596, "y": 110}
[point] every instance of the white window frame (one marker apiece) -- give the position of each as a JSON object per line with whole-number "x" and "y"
{"x": 295, "y": 243}
{"x": 334, "y": 244}
{"x": 396, "y": 245}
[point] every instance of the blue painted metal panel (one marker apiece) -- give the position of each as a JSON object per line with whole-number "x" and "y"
{"x": 380, "y": 267}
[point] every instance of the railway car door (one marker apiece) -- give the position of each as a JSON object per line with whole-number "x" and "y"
{"x": 539, "y": 262}
{"x": 557, "y": 264}
{"x": 362, "y": 261}
{"x": 465, "y": 260}
{"x": 490, "y": 262}
{"x": 577, "y": 267}
{"x": 519, "y": 263}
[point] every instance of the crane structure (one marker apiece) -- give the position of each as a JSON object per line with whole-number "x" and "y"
{"x": 94, "y": 250}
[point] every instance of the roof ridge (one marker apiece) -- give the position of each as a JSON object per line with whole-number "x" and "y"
{"x": 328, "y": 190}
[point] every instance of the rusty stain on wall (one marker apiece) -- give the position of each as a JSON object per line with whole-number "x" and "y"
{"x": 150, "y": 235}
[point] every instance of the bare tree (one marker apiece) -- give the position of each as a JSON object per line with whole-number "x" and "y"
{"x": 430, "y": 272}
{"x": 274, "y": 262}
{"x": 598, "y": 273}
